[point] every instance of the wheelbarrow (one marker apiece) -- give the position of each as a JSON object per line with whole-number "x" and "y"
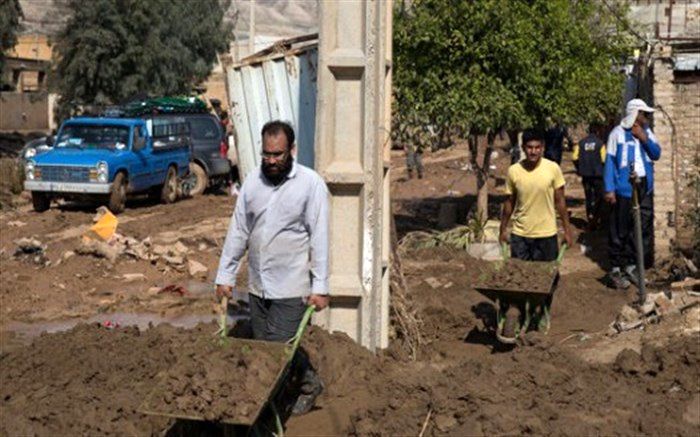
{"x": 280, "y": 356}
{"x": 527, "y": 308}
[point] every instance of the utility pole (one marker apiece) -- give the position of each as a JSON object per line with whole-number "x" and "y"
{"x": 251, "y": 33}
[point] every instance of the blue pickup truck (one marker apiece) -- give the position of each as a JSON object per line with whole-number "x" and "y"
{"x": 106, "y": 159}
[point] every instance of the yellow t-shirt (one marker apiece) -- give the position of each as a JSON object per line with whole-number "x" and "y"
{"x": 533, "y": 214}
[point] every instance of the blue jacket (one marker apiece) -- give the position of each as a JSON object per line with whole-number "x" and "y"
{"x": 620, "y": 158}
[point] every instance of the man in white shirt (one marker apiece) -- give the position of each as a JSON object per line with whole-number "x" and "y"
{"x": 281, "y": 218}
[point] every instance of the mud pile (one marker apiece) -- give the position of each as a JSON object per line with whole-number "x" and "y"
{"x": 88, "y": 381}
{"x": 516, "y": 274}
{"x": 220, "y": 381}
{"x": 544, "y": 390}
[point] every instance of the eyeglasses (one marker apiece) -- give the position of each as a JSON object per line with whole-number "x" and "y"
{"x": 273, "y": 155}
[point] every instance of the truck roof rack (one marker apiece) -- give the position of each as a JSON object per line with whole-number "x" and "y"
{"x": 161, "y": 105}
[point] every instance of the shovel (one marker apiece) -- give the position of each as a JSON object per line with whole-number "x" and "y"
{"x": 637, "y": 213}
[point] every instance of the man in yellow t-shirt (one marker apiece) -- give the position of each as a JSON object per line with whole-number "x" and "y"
{"x": 535, "y": 188}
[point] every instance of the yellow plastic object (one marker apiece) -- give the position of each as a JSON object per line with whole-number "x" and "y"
{"x": 105, "y": 227}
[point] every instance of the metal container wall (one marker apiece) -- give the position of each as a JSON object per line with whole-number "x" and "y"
{"x": 279, "y": 86}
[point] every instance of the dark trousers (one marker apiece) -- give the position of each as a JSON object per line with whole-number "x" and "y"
{"x": 534, "y": 249}
{"x": 414, "y": 160}
{"x": 621, "y": 246}
{"x": 278, "y": 320}
{"x": 593, "y": 189}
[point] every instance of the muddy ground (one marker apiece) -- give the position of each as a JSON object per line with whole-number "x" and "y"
{"x": 91, "y": 379}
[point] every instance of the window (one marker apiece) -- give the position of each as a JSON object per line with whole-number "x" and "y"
{"x": 204, "y": 129}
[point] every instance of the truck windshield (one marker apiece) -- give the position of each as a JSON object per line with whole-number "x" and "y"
{"x": 93, "y": 137}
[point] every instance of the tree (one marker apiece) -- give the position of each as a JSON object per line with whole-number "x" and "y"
{"x": 476, "y": 68}
{"x": 10, "y": 14}
{"x": 113, "y": 50}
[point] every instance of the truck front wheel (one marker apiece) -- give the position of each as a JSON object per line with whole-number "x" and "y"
{"x": 169, "y": 192}
{"x": 40, "y": 201}
{"x": 117, "y": 199}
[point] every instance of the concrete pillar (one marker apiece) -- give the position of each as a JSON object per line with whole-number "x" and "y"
{"x": 352, "y": 125}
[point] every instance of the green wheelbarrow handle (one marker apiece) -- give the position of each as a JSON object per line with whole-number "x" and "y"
{"x": 562, "y": 250}
{"x": 294, "y": 342}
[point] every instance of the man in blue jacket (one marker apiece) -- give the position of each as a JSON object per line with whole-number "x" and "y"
{"x": 631, "y": 150}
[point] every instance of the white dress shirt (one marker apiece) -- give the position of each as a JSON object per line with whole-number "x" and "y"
{"x": 285, "y": 229}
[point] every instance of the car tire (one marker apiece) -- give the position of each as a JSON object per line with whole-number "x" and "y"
{"x": 202, "y": 180}
{"x": 168, "y": 194}
{"x": 40, "y": 201}
{"x": 117, "y": 198}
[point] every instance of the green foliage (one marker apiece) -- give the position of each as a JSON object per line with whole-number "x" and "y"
{"x": 113, "y": 50}
{"x": 479, "y": 66}
{"x": 10, "y": 14}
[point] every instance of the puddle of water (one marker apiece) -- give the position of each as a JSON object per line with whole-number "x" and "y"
{"x": 140, "y": 320}
{"x": 238, "y": 309}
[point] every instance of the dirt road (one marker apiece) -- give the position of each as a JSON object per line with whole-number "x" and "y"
{"x": 90, "y": 380}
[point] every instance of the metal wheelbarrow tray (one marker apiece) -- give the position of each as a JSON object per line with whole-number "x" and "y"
{"x": 254, "y": 368}
{"x": 224, "y": 379}
{"x": 489, "y": 286}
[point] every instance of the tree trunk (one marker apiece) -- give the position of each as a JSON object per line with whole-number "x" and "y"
{"x": 482, "y": 179}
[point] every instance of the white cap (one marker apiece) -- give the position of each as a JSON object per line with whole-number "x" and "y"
{"x": 631, "y": 111}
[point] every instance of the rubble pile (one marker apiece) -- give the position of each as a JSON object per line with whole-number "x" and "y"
{"x": 655, "y": 306}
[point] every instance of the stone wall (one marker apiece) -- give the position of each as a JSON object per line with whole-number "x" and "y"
{"x": 677, "y": 127}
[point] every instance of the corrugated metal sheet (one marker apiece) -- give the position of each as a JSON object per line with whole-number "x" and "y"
{"x": 687, "y": 62}
{"x": 276, "y": 86}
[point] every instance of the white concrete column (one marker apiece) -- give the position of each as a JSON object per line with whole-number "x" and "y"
{"x": 352, "y": 127}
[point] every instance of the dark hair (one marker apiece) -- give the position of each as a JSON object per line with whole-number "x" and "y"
{"x": 274, "y": 128}
{"x": 533, "y": 135}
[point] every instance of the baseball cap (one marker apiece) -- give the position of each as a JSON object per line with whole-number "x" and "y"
{"x": 632, "y": 109}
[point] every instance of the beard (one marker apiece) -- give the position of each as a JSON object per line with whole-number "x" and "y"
{"x": 277, "y": 172}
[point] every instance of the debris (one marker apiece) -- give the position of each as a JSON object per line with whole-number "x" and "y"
{"x": 179, "y": 249}
{"x": 15, "y": 224}
{"x": 28, "y": 245}
{"x": 196, "y": 268}
{"x": 654, "y": 308}
{"x": 663, "y": 304}
{"x": 174, "y": 261}
{"x": 175, "y": 289}
{"x": 159, "y": 250}
{"x": 110, "y": 324}
{"x": 133, "y": 277}
{"x": 686, "y": 284}
{"x": 628, "y": 314}
{"x": 202, "y": 247}
{"x": 31, "y": 249}
{"x": 99, "y": 249}
{"x": 61, "y": 286}
{"x": 105, "y": 225}
{"x": 67, "y": 255}
{"x": 433, "y": 282}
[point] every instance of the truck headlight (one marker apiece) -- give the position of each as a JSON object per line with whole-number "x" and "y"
{"x": 29, "y": 170}
{"x": 102, "y": 172}
{"x": 30, "y": 153}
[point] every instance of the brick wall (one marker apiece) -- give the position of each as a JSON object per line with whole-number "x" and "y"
{"x": 677, "y": 127}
